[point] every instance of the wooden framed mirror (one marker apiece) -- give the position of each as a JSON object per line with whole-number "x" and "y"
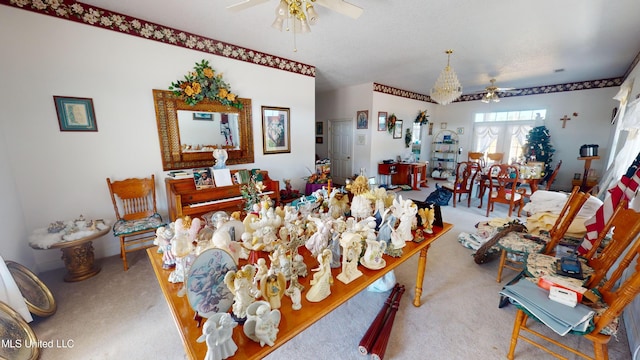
{"x": 192, "y": 150}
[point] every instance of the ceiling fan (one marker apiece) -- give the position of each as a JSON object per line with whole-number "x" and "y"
{"x": 339, "y": 6}
{"x": 492, "y": 92}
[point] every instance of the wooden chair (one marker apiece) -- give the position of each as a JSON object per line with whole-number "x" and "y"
{"x": 477, "y": 157}
{"x": 520, "y": 244}
{"x": 134, "y": 201}
{"x": 494, "y": 158}
{"x": 598, "y": 261}
{"x": 502, "y": 186}
{"x": 466, "y": 172}
{"x": 611, "y": 301}
{"x": 552, "y": 178}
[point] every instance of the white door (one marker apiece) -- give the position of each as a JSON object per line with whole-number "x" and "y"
{"x": 340, "y": 150}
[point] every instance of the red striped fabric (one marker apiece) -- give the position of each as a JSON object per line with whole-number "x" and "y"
{"x": 626, "y": 187}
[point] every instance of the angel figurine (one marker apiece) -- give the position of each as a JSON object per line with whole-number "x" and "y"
{"x": 216, "y": 332}
{"x": 322, "y": 279}
{"x": 244, "y": 291}
{"x": 273, "y": 287}
{"x": 372, "y": 258}
{"x": 427, "y": 216}
{"x": 262, "y": 323}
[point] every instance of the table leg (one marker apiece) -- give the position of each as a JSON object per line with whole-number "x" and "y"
{"x": 79, "y": 261}
{"x": 422, "y": 266}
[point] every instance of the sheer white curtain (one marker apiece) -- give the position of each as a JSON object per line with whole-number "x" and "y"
{"x": 519, "y": 136}
{"x": 484, "y": 136}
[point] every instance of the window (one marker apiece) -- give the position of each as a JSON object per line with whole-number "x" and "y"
{"x": 504, "y": 132}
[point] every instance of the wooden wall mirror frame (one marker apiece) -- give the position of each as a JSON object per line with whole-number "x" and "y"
{"x": 167, "y": 105}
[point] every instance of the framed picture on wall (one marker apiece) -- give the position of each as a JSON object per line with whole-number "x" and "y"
{"x": 397, "y": 130}
{"x": 75, "y": 114}
{"x": 203, "y": 116}
{"x": 276, "y": 134}
{"x": 319, "y": 139}
{"x": 362, "y": 119}
{"x": 382, "y": 121}
{"x": 319, "y": 128}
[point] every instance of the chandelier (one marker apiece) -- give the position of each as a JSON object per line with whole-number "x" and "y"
{"x": 489, "y": 97}
{"x": 296, "y": 14}
{"x": 447, "y": 87}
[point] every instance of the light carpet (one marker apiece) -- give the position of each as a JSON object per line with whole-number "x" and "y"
{"x": 123, "y": 315}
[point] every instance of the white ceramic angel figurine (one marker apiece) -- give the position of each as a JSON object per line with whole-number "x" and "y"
{"x": 351, "y": 247}
{"x": 372, "y": 258}
{"x": 244, "y": 292}
{"x": 320, "y": 239}
{"x": 406, "y": 211}
{"x": 217, "y": 332}
{"x": 262, "y": 323}
{"x": 221, "y": 239}
{"x": 221, "y": 157}
{"x": 273, "y": 287}
{"x": 322, "y": 279}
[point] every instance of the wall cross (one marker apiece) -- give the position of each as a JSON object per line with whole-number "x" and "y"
{"x": 564, "y": 120}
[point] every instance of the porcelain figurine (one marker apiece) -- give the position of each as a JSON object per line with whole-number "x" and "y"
{"x": 244, "y": 291}
{"x": 296, "y": 297}
{"x": 351, "y": 244}
{"x": 338, "y": 205}
{"x": 299, "y": 266}
{"x": 221, "y": 157}
{"x": 406, "y": 211}
{"x": 322, "y": 279}
{"x": 320, "y": 239}
{"x": 272, "y": 288}
{"x": 217, "y": 332}
{"x": 261, "y": 270}
{"x": 262, "y": 323}
{"x": 221, "y": 239}
{"x": 372, "y": 258}
{"x": 163, "y": 240}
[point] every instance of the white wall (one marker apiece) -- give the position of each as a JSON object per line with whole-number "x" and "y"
{"x": 591, "y": 126}
{"x": 60, "y": 175}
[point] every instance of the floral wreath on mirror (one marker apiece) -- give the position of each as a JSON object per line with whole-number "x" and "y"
{"x": 204, "y": 83}
{"x": 391, "y": 123}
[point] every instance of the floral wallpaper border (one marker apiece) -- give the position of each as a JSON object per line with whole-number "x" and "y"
{"x": 105, "y": 19}
{"x": 547, "y": 89}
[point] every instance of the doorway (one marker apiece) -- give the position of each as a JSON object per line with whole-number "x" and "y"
{"x": 341, "y": 150}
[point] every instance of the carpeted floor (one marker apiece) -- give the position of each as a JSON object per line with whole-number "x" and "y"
{"x": 123, "y": 315}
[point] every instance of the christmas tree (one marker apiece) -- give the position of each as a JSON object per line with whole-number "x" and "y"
{"x": 538, "y": 148}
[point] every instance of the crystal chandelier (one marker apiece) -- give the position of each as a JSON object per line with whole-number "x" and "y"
{"x": 489, "y": 97}
{"x": 296, "y": 14}
{"x": 447, "y": 87}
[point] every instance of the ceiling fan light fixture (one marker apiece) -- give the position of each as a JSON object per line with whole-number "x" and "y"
{"x": 447, "y": 88}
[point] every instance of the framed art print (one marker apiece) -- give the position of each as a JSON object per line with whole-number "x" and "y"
{"x": 276, "y": 136}
{"x": 319, "y": 128}
{"x": 203, "y": 116}
{"x": 382, "y": 121}
{"x": 362, "y": 118}
{"x": 75, "y": 114}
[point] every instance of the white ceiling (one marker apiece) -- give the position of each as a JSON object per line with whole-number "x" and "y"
{"x": 401, "y": 43}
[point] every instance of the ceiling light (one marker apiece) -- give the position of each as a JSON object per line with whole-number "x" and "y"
{"x": 489, "y": 97}
{"x": 447, "y": 87}
{"x": 297, "y": 14}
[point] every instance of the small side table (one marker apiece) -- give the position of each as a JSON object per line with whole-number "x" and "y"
{"x": 78, "y": 256}
{"x": 584, "y": 186}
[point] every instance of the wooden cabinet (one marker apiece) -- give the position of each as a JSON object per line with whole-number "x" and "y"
{"x": 444, "y": 156}
{"x": 183, "y": 198}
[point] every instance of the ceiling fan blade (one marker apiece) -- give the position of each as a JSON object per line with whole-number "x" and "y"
{"x": 245, "y": 4}
{"x": 341, "y": 7}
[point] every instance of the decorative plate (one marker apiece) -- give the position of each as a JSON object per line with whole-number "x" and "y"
{"x": 36, "y": 294}
{"x": 206, "y": 290}
{"x": 19, "y": 342}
